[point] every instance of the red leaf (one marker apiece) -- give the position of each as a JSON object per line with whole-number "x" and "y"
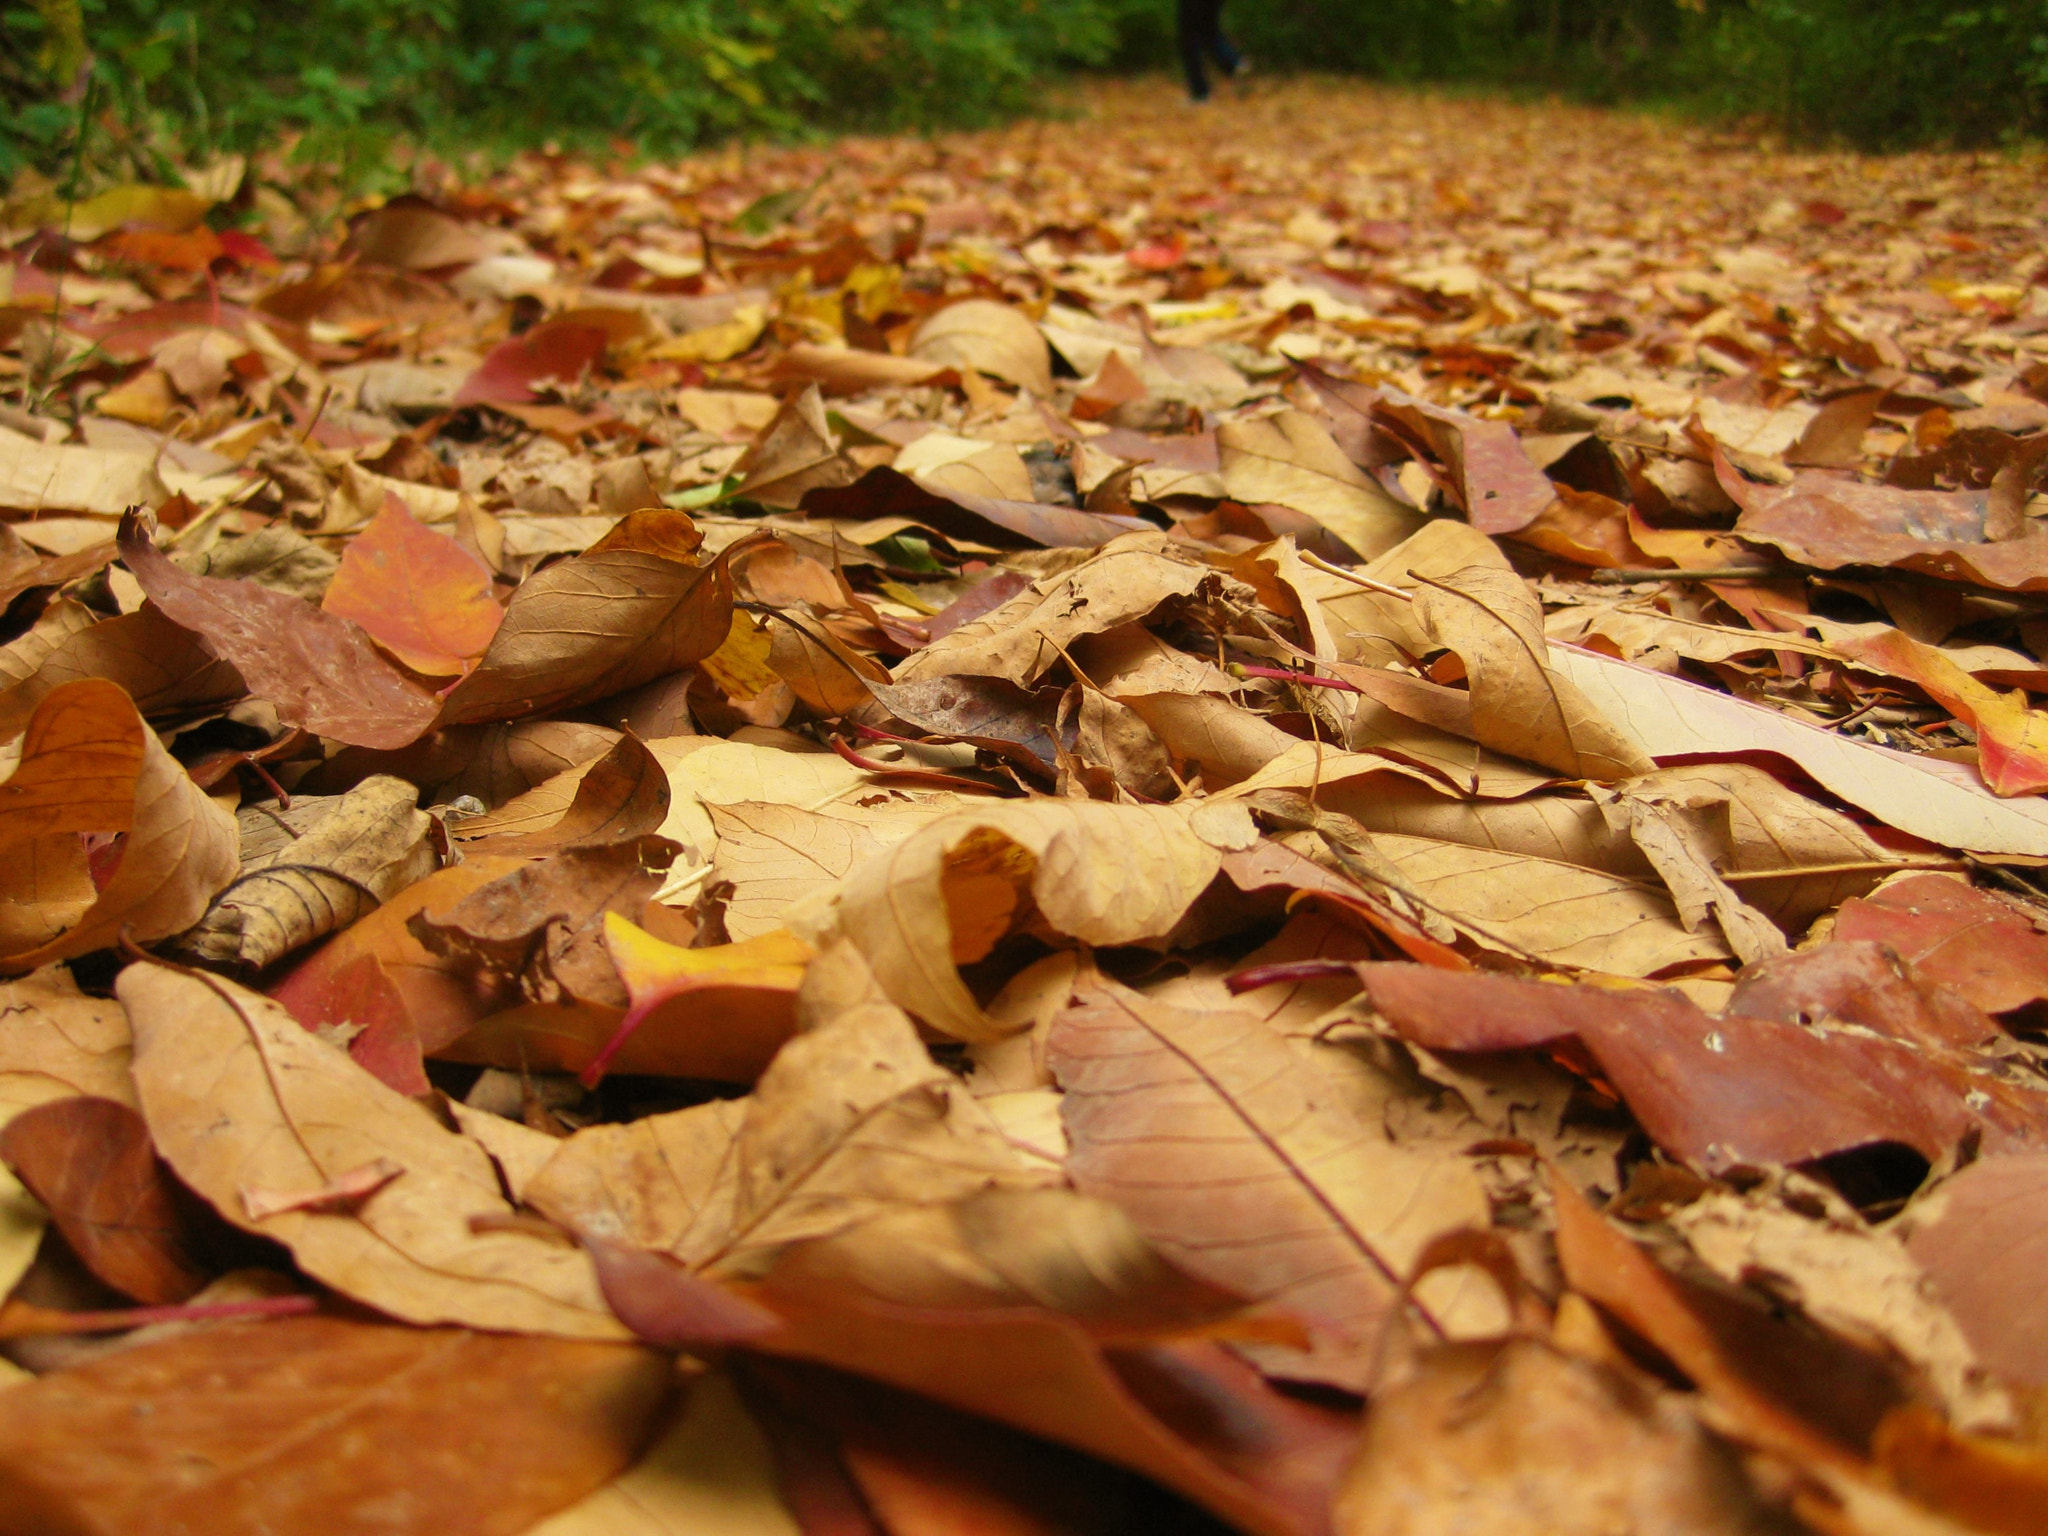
{"x": 555, "y": 350}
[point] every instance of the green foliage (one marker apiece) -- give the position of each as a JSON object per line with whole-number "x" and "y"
{"x": 226, "y": 74}
{"x": 1875, "y": 75}
{"x": 210, "y": 75}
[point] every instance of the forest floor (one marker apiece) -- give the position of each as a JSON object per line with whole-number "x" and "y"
{"x": 1322, "y": 813}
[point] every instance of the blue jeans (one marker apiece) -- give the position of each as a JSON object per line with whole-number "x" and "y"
{"x": 1201, "y": 36}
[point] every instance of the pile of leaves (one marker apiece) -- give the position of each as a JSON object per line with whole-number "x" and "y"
{"x": 1320, "y": 817}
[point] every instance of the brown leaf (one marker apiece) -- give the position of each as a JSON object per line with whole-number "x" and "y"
{"x": 1739, "y": 1088}
{"x": 441, "y": 1000}
{"x": 209, "y": 1431}
{"x": 774, "y": 855}
{"x": 1518, "y": 1439}
{"x": 1944, "y": 803}
{"x": 882, "y": 493}
{"x": 797, "y": 452}
{"x": 1980, "y": 1236}
{"x": 541, "y": 927}
{"x": 165, "y": 669}
{"x": 1485, "y": 467}
{"x": 90, "y": 1163}
{"x": 1020, "y": 642}
{"x": 630, "y": 609}
{"x": 1230, "y": 1156}
{"x": 238, "y": 1096}
{"x": 371, "y": 844}
{"x": 1289, "y": 459}
{"x": 417, "y": 593}
{"x": 989, "y": 337}
{"x": 1519, "y": 704}
{"x": 1095, "y": 873}
{"x": 319, "y": 670}
{"x": 1188, "y": 1415}
{"x": 620, "y": 797}
{"x": 90, "y": 765}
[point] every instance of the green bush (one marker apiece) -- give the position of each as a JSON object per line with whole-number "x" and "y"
{"x": 1877, "y": 75}
{"x": 227, "y": 74}
{"x": 209, "y": 75}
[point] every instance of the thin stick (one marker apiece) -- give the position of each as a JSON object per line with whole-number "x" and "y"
{"x": 1282, "y": 675}
{"x": 1317, "y": 562}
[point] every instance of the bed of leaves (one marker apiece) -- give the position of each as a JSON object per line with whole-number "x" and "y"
{"x": 1321, "y": 816}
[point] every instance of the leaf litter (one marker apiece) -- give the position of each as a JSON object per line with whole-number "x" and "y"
{"x": 1302, "y": 816}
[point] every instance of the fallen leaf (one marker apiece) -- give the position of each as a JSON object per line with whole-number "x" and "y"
{"x": 370, "y": 844}
{"x": 1227, "y": 1154}
{"x": 415, "y": 236}
{"x": 1979, "y": 1236}
{"x": 1095, "y": 873}
{"x": 394, "y": 1410}
{"x": 1291, "y": 460}
{"x": 60, "y": 477}
{"x": 989, "y": 337}
{"x": 711, "y": 1472}
{"x": 238, "y": 1095}
{"x": 1519, "y": 704}
{"x": 419, "y": 594}
{"x": 541, "y": 927}
{"x": 90, "y": 1163}
{"x": 319, "y": 670}
{"x": 1263, "y": 1461}
{"x": 1521, "y": 1438}
{"x": 620, "y": 796}
{"x": 165, "y": 669}
{"x": 2012, "y": 739}
{"x": 90, "y": 765}
{"x": 1984, "y": 946}
{"x": 556, "y": 351}
{"x": 1941, "y": 802}
{"x": 774, "y": 854}
{"x": 441, "y": 1000}
{"x": 1739, "y": 1088}
{"x": 630, "y": 609}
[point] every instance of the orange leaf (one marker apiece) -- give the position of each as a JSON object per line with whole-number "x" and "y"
{"x": 417, "y": 593}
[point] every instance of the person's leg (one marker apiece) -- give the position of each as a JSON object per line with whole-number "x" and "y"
{"x": 1196, "y": 20}
{"x": 1220, "y": 49}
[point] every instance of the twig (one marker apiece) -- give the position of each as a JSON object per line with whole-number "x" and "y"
{"x": 1282, "y": 675}
{"x": 1317, "y": 562}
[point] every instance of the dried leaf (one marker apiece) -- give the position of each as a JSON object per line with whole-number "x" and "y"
{"x": 989, "y": 337}
{"x": 1095, "y": 873}
{"x": 1290, "y": 460}
{"x": 238, "y": 1095}
{"x": 1519, "y": 1439}
{"x": 629, "y": 610}
{"x": 1519, "y": 704}
{"x": 419, "y": 594}
{"x": 394, "y": 1411}
{"x": 1979, "y": 1236}
{"x": 1230, "y": 1156}
{"x": 1743, "y": 1087}
{"x": 1940, "y": 802}
{"x": 1983, "y": 946}
{"x": 371, "y": 844}
{"x": 90, "y": 1163}
{"x": 89, "y": 765}
{"x": 318, "y": 669}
